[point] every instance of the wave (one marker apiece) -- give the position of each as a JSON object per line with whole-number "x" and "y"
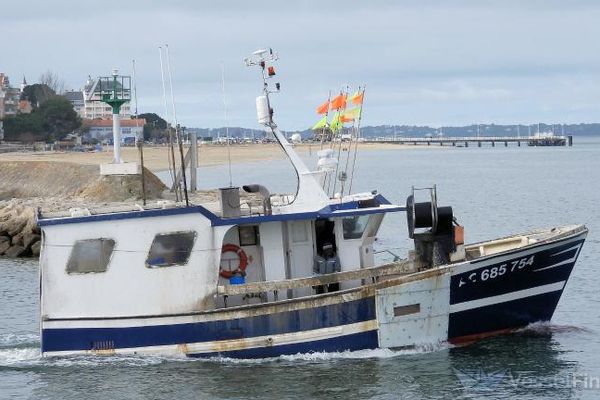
{"x": 343, "y": 355}
{"x": 549, "y": 328}
{"x": 30, "y": 356}
{"x": 19, "y": 356}
{"x": 18, "y": 340}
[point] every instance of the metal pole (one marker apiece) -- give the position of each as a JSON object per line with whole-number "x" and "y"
{"x": 193, "y": 160}
{"x": 141, "y": 144}
{"x": 117, "y": 137}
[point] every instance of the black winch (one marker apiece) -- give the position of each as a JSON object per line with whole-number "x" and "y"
{"x": 436, "y": 238}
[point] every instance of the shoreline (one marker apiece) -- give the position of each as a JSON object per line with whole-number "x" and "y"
{"x": 156, "y": 157}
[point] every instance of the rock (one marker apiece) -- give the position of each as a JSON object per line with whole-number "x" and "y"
{"x": 13, "y": 227}
{"x": 4, "y": 246}
{"x": 35, "y": 248}
{"x": 15, "y": 251}
{"x": 29, "y": 239}
{"x": 4, "y": 239}
{"x": 17, "y": 240}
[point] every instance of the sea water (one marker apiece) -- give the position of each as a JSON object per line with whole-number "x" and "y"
{"x": 494, "y": 192}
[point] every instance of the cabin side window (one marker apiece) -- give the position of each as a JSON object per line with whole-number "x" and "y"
{"x": 169, "y": 249}
{"x": 354, "y": 226}
{"x": 90, "y": 256}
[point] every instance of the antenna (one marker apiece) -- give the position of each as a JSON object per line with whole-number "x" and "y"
{"x": 171, "y": 151}
{"x": 140, "y": 143}
{"x": 308, "y": 192}
{"x": 263, "y": 104}
{"x": 226, "y": 124}
{"x": 177, "y": 131}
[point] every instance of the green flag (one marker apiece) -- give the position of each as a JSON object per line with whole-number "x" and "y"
{"x": 335, "y": 123}
{"x": 321, "y": 124}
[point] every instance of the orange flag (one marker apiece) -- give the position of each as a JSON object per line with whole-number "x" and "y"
{"x": 338, "y": 102}
{"x": 322, "y": 109}
{"x": 357, "y": 98}
{"x": 346, "y": 118}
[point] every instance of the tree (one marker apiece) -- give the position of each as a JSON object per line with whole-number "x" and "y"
{"x": 23, "y": 127}
{"x": 155, "y": 127}
{"x": 37, "y": 94}
{"x": 52, "y": 80}
{"x": 58, "y": 118}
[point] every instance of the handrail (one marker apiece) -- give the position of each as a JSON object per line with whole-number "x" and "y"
{"x": 326, "y": 279}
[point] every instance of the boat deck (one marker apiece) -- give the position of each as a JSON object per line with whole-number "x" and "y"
{"x": 402, "y": 270}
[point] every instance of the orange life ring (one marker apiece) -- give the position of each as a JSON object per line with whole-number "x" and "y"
{"x": 241, "y": 269}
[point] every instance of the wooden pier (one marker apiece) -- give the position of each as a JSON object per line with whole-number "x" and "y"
{"x": 479, "y": 140}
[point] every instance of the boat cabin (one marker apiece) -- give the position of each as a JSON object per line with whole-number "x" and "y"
{"x": 168, "y": 259}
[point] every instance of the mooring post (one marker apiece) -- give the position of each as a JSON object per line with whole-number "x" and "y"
{"x": 193, "y": 160}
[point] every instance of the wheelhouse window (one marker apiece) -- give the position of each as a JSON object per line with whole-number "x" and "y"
{"x": 354, "y": 226}
{"x": 170, "y": 249}
{"x": 248, "y": 235}
{"x": 90, "y": 256}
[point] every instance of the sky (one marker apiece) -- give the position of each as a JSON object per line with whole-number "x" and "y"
{"x": 437, "y": 63}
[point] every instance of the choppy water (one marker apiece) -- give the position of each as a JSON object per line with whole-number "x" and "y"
{"x": 494, "y": 192}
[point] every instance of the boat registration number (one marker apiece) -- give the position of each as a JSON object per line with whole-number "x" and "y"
{"x": 498, "y": 271}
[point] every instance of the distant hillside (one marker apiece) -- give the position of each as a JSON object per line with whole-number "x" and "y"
{"x": 420, "y": 131}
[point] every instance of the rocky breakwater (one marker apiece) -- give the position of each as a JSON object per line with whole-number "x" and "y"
{"x": 19, "y": 233}
{"x": 27, "y": 186}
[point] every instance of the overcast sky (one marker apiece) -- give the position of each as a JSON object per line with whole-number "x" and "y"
{"x": 439, "y": 63}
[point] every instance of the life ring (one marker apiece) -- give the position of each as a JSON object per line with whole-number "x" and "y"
{"x": 241, "y": 269}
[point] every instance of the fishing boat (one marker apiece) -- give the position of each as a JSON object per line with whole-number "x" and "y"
{"x": 250, "y": 274}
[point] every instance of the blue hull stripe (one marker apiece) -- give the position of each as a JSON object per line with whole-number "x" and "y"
{"x": 507, "y": 315}
{"x": 71, "y": 339}
{"x": 353, "y": 342}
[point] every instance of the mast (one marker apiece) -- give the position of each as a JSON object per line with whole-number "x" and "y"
{"x": 177, "y": 128}
{"x": 309, "y": 194}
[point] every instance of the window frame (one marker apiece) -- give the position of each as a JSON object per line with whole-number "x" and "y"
{"x": 108, "y": 259}
{"x": 356, "y": 217}
{"x": 255, "y": 236}
{"x": 171, "y": 264}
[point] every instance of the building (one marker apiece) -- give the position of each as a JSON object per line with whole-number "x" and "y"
{"x": 101, "y": 129}
{"x": 9, "y": 97}
{"x": 76, "y": 99}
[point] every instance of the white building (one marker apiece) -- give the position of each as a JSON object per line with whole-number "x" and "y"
{"x": 9, "y": 97}
{"x": 101, "y": 129}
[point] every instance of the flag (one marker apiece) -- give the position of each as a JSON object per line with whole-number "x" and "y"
{"x": 338, "y": 102}
{"x": 357, "y": 98}
{"x": 322, "y": 109}
{"x": 346, "y": 118}
{"x": 335, "y": 123}
{"x": 352, "y": 113}
{"x": 321, "y": 124}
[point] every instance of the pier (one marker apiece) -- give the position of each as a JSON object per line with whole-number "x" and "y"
{"x": 479, "y": 140}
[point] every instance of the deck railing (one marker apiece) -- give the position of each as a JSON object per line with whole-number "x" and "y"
{"x": 398, "y": 268}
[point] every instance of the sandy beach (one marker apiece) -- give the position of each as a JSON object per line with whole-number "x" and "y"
{"x": 155, "y": 157}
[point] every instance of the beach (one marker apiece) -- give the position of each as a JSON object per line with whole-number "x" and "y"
{"x": 156, "y": 157}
